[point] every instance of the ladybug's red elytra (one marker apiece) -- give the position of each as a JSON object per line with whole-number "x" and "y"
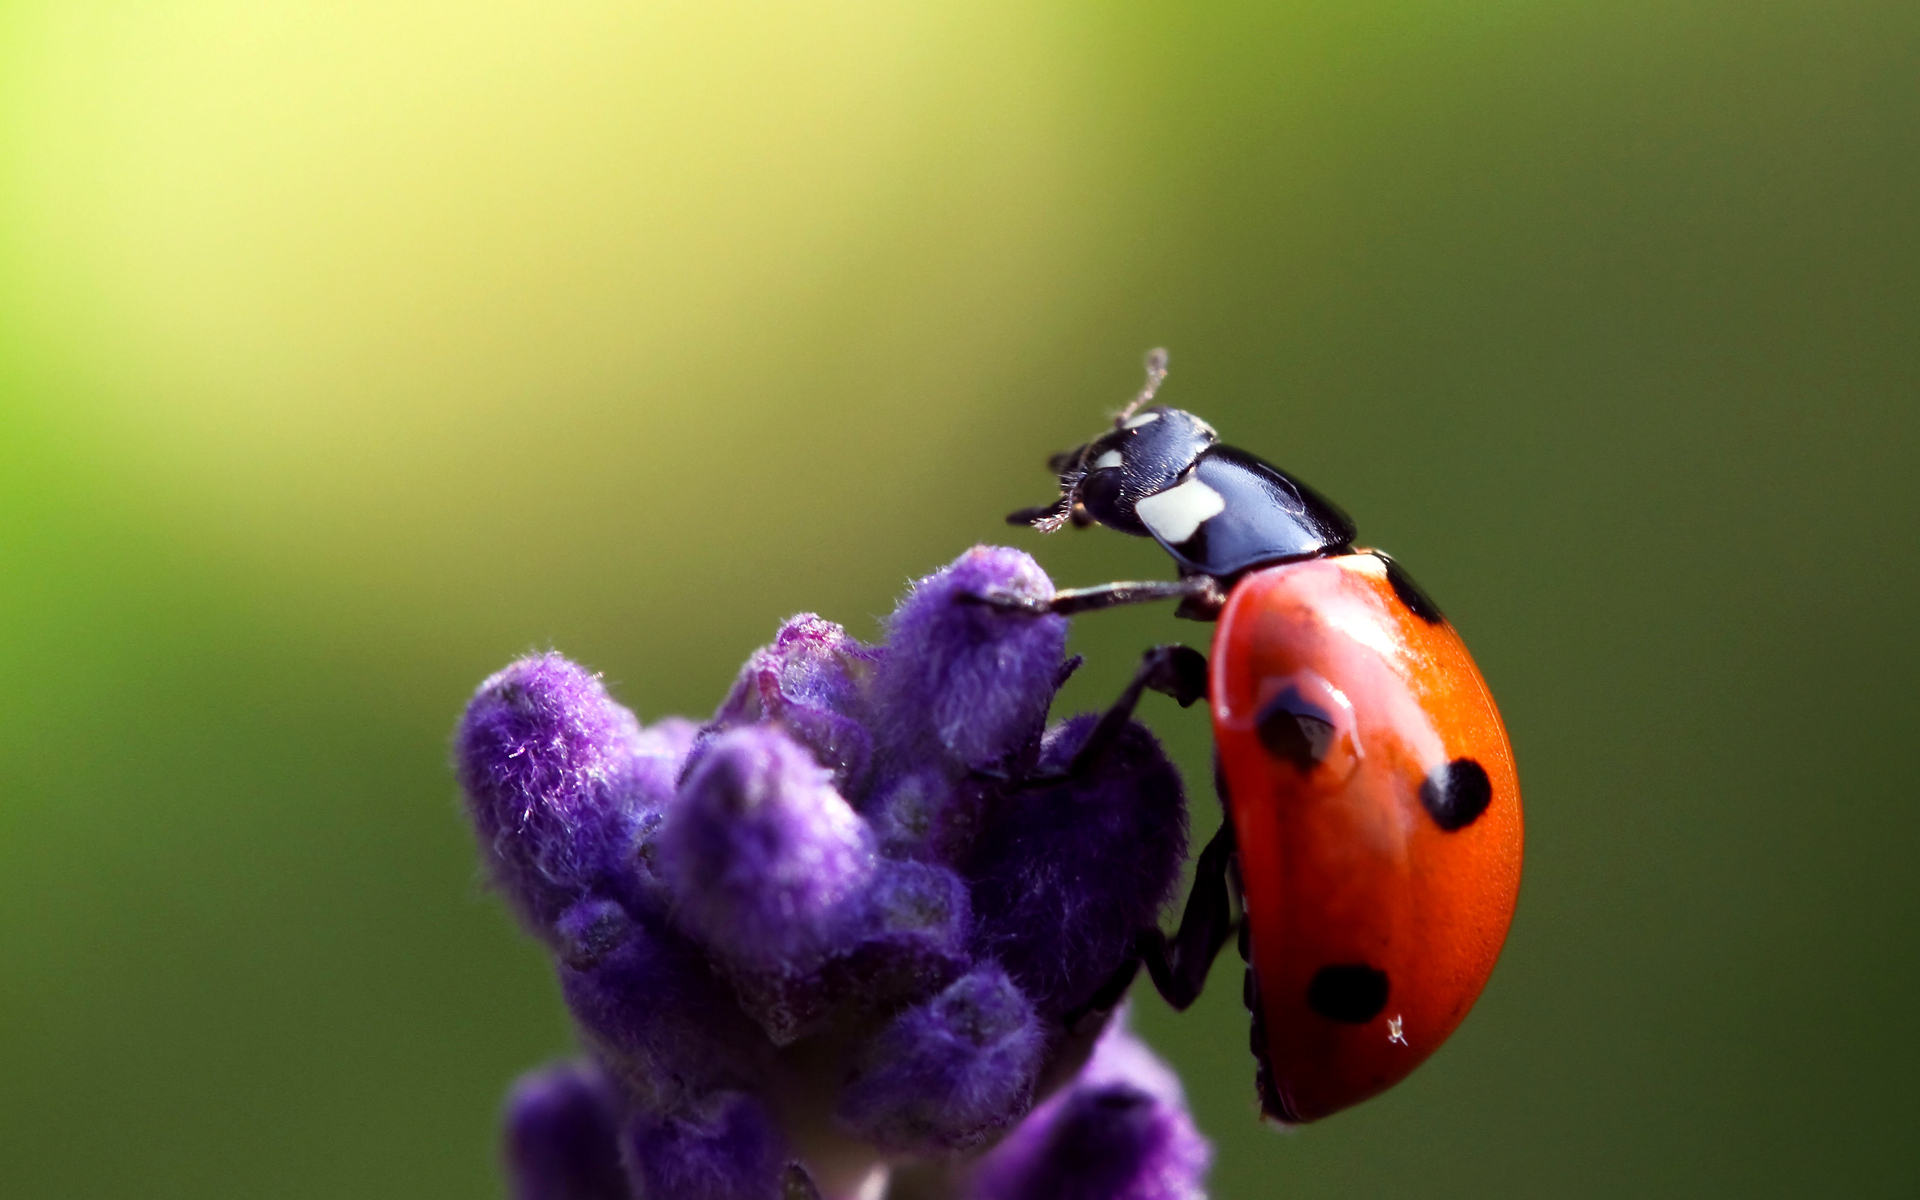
{"x": 1373, "y": 839}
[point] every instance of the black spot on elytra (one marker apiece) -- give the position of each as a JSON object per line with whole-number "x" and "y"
{"x": 1456, "y": 794}
{"x": 1417, "y": 601}
{"x": 1295, "y": 729}
{"x": 1350, "y": 993}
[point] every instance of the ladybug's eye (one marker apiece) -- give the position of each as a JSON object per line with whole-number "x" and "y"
{"x": 1102, "y": 493}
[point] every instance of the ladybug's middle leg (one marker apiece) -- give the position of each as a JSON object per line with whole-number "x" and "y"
{"x": 1176, "y": 671}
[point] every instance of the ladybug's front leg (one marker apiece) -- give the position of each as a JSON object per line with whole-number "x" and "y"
{"x": 1200, "y": 597}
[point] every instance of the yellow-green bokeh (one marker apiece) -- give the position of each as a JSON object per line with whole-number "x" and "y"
{"x": 349, "y": 349}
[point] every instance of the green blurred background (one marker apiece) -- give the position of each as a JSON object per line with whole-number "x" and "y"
{"x": 348, "y": 350}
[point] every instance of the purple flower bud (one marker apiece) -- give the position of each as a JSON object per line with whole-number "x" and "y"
{"x": 963, "y": 678}
{"x": 562, "y": 1135}
{"x": 811, "y": 681}
{"x": 915, "y": 937}
{"x": 945, "y": 1075}
{"x": 591, "y": 930}
{"x": 658, "y": 758}
{"x": 931, "y": 814}
{"x": 1065, "y": 876}
{"x": 649, "y": 1002}
{"x": 1120, "y": 1132}
{"x": 908, "y": 939}
{"x": 555, "y": 774}
{"x": 731, "y": 1150}
{"x": 765, "y": 859}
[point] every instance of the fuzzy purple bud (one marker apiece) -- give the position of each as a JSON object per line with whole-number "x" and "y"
{"x": 1066, "y": 875}
{"x": 732, "y": 1150}
{"x": 562, "y": 1135}
{"x": 650, "y": 1003}
{"x": 764, "y": 858}
{"x": 906, "y": 938}
{"x": 932, "y": 814}
{"x": 658, "y": 757}
{"x": 965, "y": 678}
{"x": 1120, "y": 1132}
{"x": 915, "y": 937}
{"x": 947, "y": 1074}
{"x": 809, "y": 681}
{"x": 556, "y": 774}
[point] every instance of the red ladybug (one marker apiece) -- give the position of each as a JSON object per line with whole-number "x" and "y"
{"x": 1374, "y": 832}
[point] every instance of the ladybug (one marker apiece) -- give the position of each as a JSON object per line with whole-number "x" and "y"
{"x": 1373, "y": 834}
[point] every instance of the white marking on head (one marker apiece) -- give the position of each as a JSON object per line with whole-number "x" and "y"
{"x": 1174, "y": 514}
{"x": 1110, "y": 459}
{"x": 1145, "y": 418}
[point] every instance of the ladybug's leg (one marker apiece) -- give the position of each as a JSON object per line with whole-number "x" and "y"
{"x": 1199, "y": 595}
{"x": 1179, "y": 965}
{"x": 1176, "y": 671}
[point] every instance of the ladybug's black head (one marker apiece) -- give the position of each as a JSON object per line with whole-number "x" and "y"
{"x": 1162, "y": 473}
{"x": 1145, "y": 453}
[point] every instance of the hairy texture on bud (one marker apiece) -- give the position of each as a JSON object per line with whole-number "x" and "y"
{"x": 562, "y": 1135}
{"x": 848, "y": 927}
{"x": 652, "y": 1006}
{"x": 731, "y": 1151}
{"x": 811, "y": 682}
{"x": 1120, "y": 1132}
{"x": 962, "y": 679}
{"x": 557, "y": 776}
{"x": 1068, "y": 874}
{"x": 765, "y": 859}
{"x": 947, "y": 1074}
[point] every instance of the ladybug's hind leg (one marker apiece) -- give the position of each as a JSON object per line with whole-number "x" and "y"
{"x": 1179, "y": 964}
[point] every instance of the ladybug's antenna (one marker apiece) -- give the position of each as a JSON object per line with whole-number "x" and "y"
{"x": 1072, "y": 466}
{"x": 1052, "y": 516}
{"x": 1156, "y": 375}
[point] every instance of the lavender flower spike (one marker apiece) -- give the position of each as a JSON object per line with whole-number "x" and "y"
{"x": 860, "y": 923}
